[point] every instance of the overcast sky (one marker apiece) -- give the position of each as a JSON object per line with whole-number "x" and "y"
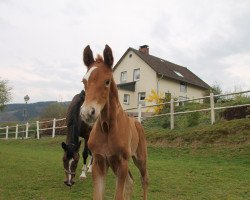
{"x": 41, "y": 41}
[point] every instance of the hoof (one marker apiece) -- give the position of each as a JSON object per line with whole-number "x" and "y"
{"x": 83, "y": 176}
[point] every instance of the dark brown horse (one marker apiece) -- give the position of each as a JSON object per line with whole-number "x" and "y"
{"x": 76, "y": 127}
{"x": 115, "y": 137}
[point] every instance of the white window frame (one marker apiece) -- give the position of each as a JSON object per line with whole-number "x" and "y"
{"x": 123, "y": 77}
{"x": 183, "y": 87}
{"x": 134, "y": 75}
{"x": 127, "y": 100}
{"x": 140, "y": 101}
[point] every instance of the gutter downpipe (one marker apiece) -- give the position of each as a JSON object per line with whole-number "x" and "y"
{"x": 157, "y": 87}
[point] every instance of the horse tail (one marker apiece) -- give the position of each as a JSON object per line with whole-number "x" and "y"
{"x": 141, "y": 132}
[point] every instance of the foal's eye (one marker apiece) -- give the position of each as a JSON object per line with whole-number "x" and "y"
{"x": 107, "y": 82}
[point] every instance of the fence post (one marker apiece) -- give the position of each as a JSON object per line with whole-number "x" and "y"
{"x": 54, "y": 128}
{"x": 16, "y": 131}
{"x": 172, "y": 114}
{"x": 212, "y": 108}
{"x": 7, "y": 132}
{"x": 139, "y": 113}
{"x": 37, "y": 130}
{"x": 27, "y": 130}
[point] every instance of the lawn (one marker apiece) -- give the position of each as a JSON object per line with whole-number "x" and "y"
{"x": 32, "y": 169}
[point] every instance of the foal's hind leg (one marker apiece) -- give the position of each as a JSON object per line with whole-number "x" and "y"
{"x": 85, "y": 156}
{"x": 128, "y": 186}
{"x": 140, "y": 159}
{"x": 119, "y": 166}
{"x": 142, "y": 166}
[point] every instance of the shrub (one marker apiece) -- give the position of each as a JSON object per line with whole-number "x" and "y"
{"x": 236, "y": 113}
{"x": 193, "y": 119}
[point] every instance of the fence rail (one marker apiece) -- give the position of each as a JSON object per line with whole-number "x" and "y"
{"x": 21, "y": 129}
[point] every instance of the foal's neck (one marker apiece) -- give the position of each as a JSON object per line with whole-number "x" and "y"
{"x": 111, "y": 108}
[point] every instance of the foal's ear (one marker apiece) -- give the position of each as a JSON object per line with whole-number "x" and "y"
{"x": 64, "y": 146}
{"x": 88, "y": 58}
{"x": 108, "y": 56}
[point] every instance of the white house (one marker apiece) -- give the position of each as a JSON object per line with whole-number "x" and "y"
{"x": 137, "y": 73}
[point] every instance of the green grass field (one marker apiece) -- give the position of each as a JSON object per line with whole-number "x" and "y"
{"x": 32, "y": 169}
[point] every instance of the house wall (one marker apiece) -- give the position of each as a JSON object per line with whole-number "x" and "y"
{"x": 148, "y": 81}
{"x": 145, "y": 84}
{"x": 172, "y": 86}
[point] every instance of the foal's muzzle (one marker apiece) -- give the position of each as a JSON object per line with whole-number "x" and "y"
{"x": 88, "y": 114}
{"x": 69, "y": 183}
{"x": 69, "y": 178}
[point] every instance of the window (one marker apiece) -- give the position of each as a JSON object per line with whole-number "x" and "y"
{"x": 136, "y": 74}
{"x": 126, "y": 99}
{"x": 183, "y": 87}
{"x": 123, "y": 77}
{"x": 141, "y": 98}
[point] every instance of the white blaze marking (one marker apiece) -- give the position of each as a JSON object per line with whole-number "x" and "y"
{"x": 70, "y": 163}
{"x": 87, "y": 75}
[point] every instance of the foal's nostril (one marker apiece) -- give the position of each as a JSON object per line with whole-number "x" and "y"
{"x": 67, "y": 183}
{"x": 92, "y": 111}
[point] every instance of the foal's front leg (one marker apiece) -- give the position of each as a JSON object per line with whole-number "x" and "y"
{"x": 99, "y": 171}
{"x": 120, "y": 168}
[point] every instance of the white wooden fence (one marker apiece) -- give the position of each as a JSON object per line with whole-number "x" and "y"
{"x": 172, "y": 103}
{"x": 23, "y": 130}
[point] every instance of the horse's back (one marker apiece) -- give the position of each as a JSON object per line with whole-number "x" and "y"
{"x": 73, "y": 110}
{"x": 73, "y": 116}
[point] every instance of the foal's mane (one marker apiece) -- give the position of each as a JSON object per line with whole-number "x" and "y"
{"x": 99, "y": 58}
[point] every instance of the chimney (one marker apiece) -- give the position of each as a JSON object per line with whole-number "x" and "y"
{"x": 144, "y": 49}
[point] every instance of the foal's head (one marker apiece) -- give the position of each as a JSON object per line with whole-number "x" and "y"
{"x": 97, "y": 83}
{"x": 70, "y": 160}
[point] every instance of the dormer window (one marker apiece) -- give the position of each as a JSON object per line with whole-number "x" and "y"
{"x": 123, "y": 77}
{"x": 136, "y": 74}
{"x": 178, "y": 73}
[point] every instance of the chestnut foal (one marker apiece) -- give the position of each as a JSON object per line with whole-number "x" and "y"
{"x": 115, "y": 137}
